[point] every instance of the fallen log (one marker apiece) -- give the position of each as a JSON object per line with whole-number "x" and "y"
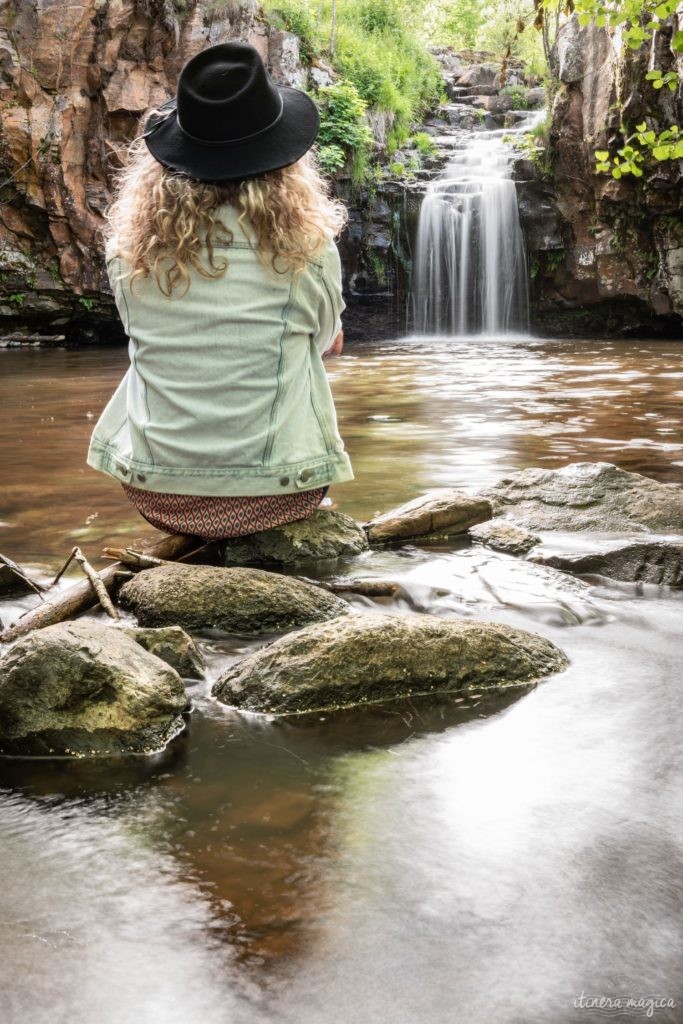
{"x": 81, "y": 596}
{"x": 95, "y": 580}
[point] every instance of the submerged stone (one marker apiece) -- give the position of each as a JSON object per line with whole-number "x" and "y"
{"x": 364, "y": 658}
{"x": 250, "y": 601}
{"x": 659, "y": 562}
{"x": 500, "y": 535}
{"x": 80, "y": 688}
{"x": 435, "y": 514}
{"x": 594, "y": 496}
{"x": 324, "y": 536}
{"x": 173, "y": 645}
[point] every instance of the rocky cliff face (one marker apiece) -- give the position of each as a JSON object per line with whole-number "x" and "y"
{"x": 74, "y": 80}
{"x": 606, "y": 256}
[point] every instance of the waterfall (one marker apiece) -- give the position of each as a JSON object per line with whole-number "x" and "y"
{"x": 470, "y": 271}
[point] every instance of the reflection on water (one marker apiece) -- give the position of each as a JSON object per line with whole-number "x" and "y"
{"x": 477, "y": 860}
{"x": 414, "y": 415}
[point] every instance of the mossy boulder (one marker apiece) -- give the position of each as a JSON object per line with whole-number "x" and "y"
{"x": 365, "y": 658}
{"x": 173, "y": 645}
{"x": 325, "y": 536}
{"x": 80, "y": 688}
{"x": 593, "y": 496}
{"x": 435, "y": 514}
{"x": 248, "y": 601}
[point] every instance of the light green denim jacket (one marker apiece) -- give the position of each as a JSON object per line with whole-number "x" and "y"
{"x": 226, "y": 393}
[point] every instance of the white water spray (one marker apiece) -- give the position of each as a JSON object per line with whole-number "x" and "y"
{"x": 470, "y": 265}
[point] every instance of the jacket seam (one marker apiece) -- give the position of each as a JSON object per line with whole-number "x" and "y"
{"x": 324, "y": 434}
{"x": 134, "y": 362}
{"x": 280, "y": 366}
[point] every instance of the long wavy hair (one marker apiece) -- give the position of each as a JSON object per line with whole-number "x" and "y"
{"x": 162, "y": 223}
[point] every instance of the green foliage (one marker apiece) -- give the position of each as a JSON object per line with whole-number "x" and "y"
{"x": 659, "y": 79}
{"x": 295, "y": 17}
{"x": 554, "y": 260}
{"x": 343, "y": 130}
{"x": 457, "y": 24}
{"x": 642, "y": 147}
{"x": 87, "y": 304}
{"x": 517, "y": 94}
{"x": 398, "y": 169}
{"x": 639, "y": 18}
{"x": 424, "y": 143}
{"x": 16, "y": 298}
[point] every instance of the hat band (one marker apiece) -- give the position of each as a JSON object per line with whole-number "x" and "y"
{"x": 241, "y": 138}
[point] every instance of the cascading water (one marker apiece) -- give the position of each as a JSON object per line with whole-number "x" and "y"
{"x": 470, "y": 271}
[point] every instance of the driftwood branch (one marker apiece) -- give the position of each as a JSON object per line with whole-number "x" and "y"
{"x": 95, "y": 581}
{"x": 135, "y": 559}
{"x": 368, "y": 588}
{"x": 81, "y": 596}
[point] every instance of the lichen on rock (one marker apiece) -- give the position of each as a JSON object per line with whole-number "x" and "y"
{"x": 236, "y": 600}
{"x": 366, "y": 658}
{"x": 173, "y": 645}
{"x": 324, "y": 536}
{"x": 595, "y": 496}
{"x": 80, "y": 688}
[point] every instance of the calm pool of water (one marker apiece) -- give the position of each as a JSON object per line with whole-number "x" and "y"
{"x": 487, "y": 861}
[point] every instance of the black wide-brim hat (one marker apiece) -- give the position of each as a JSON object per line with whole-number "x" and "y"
{"x": 229, "y": 120}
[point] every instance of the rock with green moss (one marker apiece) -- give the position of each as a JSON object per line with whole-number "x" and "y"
{"x": 594, "y": 496}
{"x": 173, "y": 645}
{"x": 435, "y": 514}
{"x": 364, "y": 658}
{"x": 248, "y": 601}
{"x": 325, "y": 536}
{"x": 83, "y": 689}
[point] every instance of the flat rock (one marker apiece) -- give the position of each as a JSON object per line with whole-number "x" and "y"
{"x": 324, "y": 536}
{"x": 437, "y": 513}
{"x": 500, "y": 535}
{"x": 251, "y": 601}
{"x": 595, "y": 496}
{"x": 80, "y": 688}
{"x": 659, "y": 562}
{"x": 365, "y": 658}
{"x": 173, "y": 645}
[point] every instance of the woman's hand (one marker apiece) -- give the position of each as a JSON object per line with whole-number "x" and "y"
{"x": 337, "y": 346}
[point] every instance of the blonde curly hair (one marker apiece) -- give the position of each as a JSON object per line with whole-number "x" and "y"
{"x": 162, "y": 223}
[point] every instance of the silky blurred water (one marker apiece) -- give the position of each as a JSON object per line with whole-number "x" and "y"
{"x": 486, "y": 860}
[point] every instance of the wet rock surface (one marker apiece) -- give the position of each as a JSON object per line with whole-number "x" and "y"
{"x": 326, "y": 535}
{"x": 500, "y": 535}
{"x": 80, "y": 688}
{"x": 173, "y": 645}
{"x": 438, "y": 514}
{"x": 364, "y": 658}
{"x": 592, "y": 496}
{"x": 659, "y": 562}
{"x": 249, "y": 601}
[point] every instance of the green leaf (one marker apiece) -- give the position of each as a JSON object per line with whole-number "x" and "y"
{"x": 651, "y": 76}
{"x": 674, "y": 129}
{"x": 636, "y": 171}
{"x": 648, "y": 138}
{"x": 658, "y": 84}
{"x": 673, "y": 86}
{"x": 641, "y": 127}
{"x": 616, "y": 173}
{"x": 601, "y": 154}
{"x": 678, "y": 151}
{"x": 662, "y": 11}
{"x": 661, "y": 152}
{"x": 601, "y": 20}
{"x": 677, "y": 42}
{"x": 584, "y": 19}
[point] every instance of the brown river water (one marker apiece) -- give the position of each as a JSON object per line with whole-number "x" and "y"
{"x": 497, "y": 861}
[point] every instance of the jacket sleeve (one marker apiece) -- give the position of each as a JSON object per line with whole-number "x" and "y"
{"x": 331, "y": 304}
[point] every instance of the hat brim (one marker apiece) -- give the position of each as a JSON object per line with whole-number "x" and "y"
{"x": 283, "y": 144}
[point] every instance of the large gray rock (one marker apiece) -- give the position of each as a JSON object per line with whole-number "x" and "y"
{"x": 80, "y": 688}
{"x": 365, "y": 658}
{"x": 172, "y": 645}
{"x": 436, "y": 514}
{"x": 500, "y": 535}
{"x": 324, "y": 536}
{"x": 570, "y": 52}
{"x": 250, "y": 601}
{"x": 659, "y": 562}
{"x": 588, "y": 496}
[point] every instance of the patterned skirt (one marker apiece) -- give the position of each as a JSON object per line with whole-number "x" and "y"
{"x": 215, "y": 518}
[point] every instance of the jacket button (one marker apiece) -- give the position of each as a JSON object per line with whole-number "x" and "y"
{"x": 284, "y": 480}
{"x": 141, "y": 477}
{"x": 305, "y": 474}
{"x": 122, "y": 469}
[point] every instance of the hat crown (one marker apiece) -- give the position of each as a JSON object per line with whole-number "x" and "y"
{"x": 225, "y": 93}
